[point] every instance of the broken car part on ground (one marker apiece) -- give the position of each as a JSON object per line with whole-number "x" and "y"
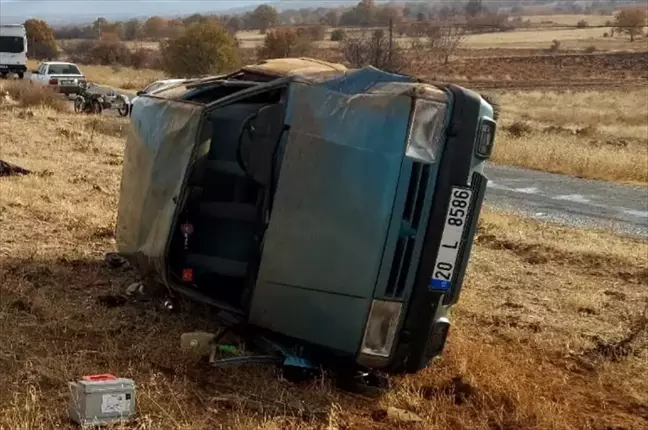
{"x": 329, "y": 212}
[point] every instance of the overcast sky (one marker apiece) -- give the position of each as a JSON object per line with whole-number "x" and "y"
{"x": 94, "y": 8}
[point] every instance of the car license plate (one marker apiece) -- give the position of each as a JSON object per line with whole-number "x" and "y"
{"x": 453, "y": 232}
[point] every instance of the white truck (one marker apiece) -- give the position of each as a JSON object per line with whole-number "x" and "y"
{"x": 13, "y": 50}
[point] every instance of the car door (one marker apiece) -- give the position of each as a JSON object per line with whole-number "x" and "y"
{"x": 42, "y": 74}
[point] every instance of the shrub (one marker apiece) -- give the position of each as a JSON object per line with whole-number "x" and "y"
{"x": 28, "y": 95}
{"x": 315, "y": 33}
{"x": 283, "y": 43}
{"x": 43, "y": 51}
{"x": 519, "y": 129}
{"x": 373, "y": 48}
{"x": 204, "y": 48}
{"x": 107, "y": 53}
{"x": 79, "y": 52}
{"x": 590, "y": 49}
{"x": 555, "y": 46}
{"x": 338, "y": 35}
{"x": 606, "y": 34}
{"x": 145, "y": 58}
{"x": 582, "y": 24}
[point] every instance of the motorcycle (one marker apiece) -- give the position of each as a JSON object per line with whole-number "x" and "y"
{"x": 119, "y": 102}
{"x": 91, "y": 102}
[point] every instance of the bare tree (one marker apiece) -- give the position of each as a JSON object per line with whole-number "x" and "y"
{"x": 373, "y": 48}
{"x": 445, "y": 38}
{"x": 630, "y": 21}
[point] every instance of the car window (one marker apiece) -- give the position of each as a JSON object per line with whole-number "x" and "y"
{"x": 12, "y": 44}
{"x": 154, "y": 86}
{"x": 63, "y": 69}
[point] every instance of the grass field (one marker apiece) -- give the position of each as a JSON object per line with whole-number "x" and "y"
{"x": 596, "y": 134}
{"x": 550, "y": 332}
{"x": 570, "y": 39}
{"x": 537, "y": 37}
{"x": 569, "y": 20}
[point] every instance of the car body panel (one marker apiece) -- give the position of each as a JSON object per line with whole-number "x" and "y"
{"x": 161, "y": 141}
{"x": 68, "y": 76}
{"x": 360, "y": 136}
{"x": 365, "y": 160}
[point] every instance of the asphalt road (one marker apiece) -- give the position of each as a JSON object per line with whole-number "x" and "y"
{"x": 566, "y": 200}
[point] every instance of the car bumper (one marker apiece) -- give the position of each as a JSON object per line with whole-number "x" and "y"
{"x": 67, "y": 89}
{"x": 425, "y": 325}
{"x": 12, "y": 68}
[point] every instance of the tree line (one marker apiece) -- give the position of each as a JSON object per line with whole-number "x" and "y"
{"x": 201, "y": 44}
{"x": 365, "y": 13}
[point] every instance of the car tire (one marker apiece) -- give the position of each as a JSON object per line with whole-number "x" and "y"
{"x": 79, "y": 103}
{"x": 96, "y": 107}
{"x": 21, "y": 75}
{"x": 3, "y": 75}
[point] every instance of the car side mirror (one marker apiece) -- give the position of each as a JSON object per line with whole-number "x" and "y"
{"x": 139, "y": 93}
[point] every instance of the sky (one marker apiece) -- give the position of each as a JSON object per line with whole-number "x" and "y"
{"x": 19, "y": 10}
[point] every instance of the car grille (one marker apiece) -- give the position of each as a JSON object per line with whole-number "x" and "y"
{"x": 410, "y": 223}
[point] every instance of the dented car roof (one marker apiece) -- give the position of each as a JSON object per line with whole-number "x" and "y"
{"x": 302, "y": 66}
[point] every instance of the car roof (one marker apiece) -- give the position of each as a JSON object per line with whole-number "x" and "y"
{"x": 58, "y": 62}
{"x": 170, "y": 80}
{"x": 302, "y": 66}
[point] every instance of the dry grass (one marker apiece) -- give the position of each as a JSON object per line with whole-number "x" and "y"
{"x": 118, "y": 77}
{"x": 23, "y": 94}
{"x": 594, "y": 134}
{"x": 539, "y": 305}
{"x": 570, "y": 39}
{"x": 532, "y": 38}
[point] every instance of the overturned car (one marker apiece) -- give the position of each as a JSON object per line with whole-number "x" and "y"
{"x": 332, "y": 210}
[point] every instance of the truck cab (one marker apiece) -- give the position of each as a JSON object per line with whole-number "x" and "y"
{"x": 331, "y": 209}
{"x": 13, "y": 50}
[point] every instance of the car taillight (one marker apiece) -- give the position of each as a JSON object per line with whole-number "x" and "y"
{"x": 53, "y": 81}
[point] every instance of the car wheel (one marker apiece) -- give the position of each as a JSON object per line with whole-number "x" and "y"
{"x": 96, "y": 107}
{"x": 3, "y": 75}
{"x": 21, "y": 75}
{"x": 78, "y": 104}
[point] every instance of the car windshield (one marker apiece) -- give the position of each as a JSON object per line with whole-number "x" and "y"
{"x": 63, "y": 69}
{"x": 154, "y": 86}
{"x": 12, "y": 44}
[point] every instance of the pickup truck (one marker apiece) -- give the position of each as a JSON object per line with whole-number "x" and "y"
{"x": 63, "y": 77}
